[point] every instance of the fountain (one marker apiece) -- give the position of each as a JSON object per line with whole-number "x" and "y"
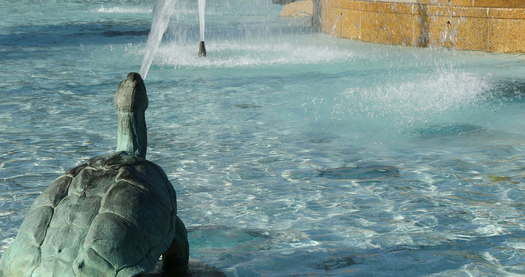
{"x": 163, "y": 10}
{"x": 161, "y": 16}
{"x": 297, "y": 153}
{"x": 202, "y": 27}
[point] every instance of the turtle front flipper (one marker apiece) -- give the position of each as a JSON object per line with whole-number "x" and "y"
{"x": 176, "y": 258}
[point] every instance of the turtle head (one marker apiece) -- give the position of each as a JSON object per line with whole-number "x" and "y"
{"x": 131, "y": 101}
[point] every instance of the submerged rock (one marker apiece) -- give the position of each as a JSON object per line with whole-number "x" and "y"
{"x": 446, "y": 130}
{"x": 247, "y": 106}
{"x": 320, "y": 137}
{"x": 360, "y": 172}
{"x": 336, "y": 263}
{"x": 500, "y": 179}
{"x": 218, "y": 236}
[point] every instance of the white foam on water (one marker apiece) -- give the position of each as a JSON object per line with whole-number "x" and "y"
{"x": 140, "y": 10}
{"x": 241, "y": 54}
{"x": 123, "y": 10}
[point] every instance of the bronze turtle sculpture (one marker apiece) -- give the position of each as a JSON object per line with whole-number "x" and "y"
{"x": 114, "y": 215}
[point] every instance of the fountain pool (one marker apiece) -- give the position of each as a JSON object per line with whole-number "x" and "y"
{"x": 295, "y": 153}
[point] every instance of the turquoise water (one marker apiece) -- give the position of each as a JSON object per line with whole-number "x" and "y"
{"x": 292, "y": 153}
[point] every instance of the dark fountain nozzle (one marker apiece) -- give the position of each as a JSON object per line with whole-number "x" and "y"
{"x": 202, "y": 49}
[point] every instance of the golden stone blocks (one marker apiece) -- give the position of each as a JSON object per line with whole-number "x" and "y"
{"x": 483, "y": 25}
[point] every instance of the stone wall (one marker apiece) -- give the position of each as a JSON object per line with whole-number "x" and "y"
{"x": 299, "y": 8}
{"x": 484, "y": 25}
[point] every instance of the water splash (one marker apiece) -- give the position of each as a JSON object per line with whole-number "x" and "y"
{"x": 233, "y": 54}
{"x": 161, "y": 16}
{"x": 408, "y": 102}
{"x": 123, "y": 10}
{"x": 202, "y": 17}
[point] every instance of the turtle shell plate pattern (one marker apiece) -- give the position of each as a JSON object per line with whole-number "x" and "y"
{"x": 112, "y": 216}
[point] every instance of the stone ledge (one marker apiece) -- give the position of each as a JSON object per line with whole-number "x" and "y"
{"x": 300, "y": 8}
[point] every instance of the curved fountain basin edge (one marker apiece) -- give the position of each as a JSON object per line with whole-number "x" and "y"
{"x": 482, "y": 25}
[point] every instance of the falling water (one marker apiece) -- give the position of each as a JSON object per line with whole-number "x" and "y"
{"x": 161, "y": 17}
{"x": 202, "y": 23}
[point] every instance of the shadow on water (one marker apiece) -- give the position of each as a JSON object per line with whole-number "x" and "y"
{"x": 483, "y": 255}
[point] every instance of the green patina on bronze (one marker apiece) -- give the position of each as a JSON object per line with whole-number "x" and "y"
{"x": 202, "y": 49}
{"x": 131, "y": 100}
{"x": 114, "y": 215}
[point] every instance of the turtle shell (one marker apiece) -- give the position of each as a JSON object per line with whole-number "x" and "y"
{"x": 112, "y": 216}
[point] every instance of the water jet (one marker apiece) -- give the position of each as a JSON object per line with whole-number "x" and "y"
{"x": 161, "y": 16}
{"x": 202, "y": 27}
